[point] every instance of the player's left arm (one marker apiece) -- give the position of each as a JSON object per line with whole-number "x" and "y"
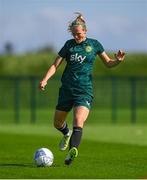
{"x": 109, "y": 62}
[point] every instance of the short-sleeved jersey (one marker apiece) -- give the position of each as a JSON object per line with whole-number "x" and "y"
{"x": 80, "y": 59}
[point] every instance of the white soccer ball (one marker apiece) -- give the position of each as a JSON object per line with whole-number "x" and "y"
{"x": 43, "y": 157}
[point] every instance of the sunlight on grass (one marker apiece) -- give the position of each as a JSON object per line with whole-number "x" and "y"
{"x": 126, "y": 134}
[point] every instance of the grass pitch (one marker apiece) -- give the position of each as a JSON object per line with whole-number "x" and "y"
{"x": 105, "y": 152}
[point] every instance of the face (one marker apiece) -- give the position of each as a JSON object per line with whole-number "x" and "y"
{"x": 79, "y": 34}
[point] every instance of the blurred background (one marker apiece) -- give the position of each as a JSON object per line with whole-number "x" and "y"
{"x": 33, "y": 31}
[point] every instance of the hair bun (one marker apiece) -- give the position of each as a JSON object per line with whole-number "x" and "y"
{"x": 80, "y": 17}
{"x": 79, "y": 21}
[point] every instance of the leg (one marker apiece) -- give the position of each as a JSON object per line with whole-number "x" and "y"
{"x": 60, "y": 124}
{"x": 59, "y": 119}
{"x": 80, "y": 116}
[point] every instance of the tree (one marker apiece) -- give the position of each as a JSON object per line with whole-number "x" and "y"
{"x": 8, "y": 48}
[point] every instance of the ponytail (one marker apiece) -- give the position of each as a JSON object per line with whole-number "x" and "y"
{"x": 79, "y": 21}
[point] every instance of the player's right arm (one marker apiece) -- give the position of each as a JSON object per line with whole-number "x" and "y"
{"x": 51, "y": 71}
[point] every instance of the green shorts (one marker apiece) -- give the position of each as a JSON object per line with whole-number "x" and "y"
{"x": 69, "y": 98}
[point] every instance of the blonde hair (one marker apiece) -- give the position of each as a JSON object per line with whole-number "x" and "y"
{"x": 79, "y": 21}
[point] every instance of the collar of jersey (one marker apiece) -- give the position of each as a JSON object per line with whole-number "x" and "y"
{"x": 81, "y": 42}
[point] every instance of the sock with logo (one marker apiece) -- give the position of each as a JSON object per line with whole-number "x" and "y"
{"x": 75, "y": 137}
{"x": 64, "y": 129}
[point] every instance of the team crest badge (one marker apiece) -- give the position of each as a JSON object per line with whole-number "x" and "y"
{"x": 88, "y": 49}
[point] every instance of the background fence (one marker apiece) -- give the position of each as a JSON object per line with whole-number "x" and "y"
{"x": 117, "y": 100}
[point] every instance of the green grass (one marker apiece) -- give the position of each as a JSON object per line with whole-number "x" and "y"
{"x": 109, "y": 151}
{"x": 97, "y": 115}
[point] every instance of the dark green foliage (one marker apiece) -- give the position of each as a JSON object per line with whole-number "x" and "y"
{"x": 37, "y": 64}
{"x": 104, "y": 89}
{"x": 134, "y": 65}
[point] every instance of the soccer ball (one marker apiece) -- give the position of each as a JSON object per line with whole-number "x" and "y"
{"x": 43, "y": 157}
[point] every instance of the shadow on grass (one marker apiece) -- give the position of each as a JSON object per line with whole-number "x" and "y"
{"x": 25, "y": 165}
{"x": 17, "y": 165}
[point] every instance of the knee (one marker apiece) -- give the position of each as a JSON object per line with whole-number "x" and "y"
{"x": 78, "y": 122}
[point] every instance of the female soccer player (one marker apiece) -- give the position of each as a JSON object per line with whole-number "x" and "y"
{"x": 76, "y": 90}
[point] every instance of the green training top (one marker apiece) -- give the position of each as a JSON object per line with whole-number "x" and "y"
{"x": 80, "y": 59}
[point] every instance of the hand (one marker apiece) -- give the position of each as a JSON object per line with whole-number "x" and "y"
{"x": 42, "y": 85}
{"x": 120, "y": 55}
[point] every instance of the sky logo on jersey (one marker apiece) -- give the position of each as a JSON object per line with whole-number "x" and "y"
{"x": 77, "y": 58}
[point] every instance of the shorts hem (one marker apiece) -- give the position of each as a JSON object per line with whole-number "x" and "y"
{"x": 89, "y": 108}
{"x": 62, "y": 109}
